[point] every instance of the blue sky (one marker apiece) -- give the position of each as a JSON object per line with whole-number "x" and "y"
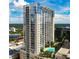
{"x": 60, "y": 7}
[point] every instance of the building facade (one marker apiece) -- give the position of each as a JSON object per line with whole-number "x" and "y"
{"x": 38, "y": 28}
{"x": 22, "y": 54}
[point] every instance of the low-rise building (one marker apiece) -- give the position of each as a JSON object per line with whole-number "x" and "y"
{"x": 63, "y": 53}
{"x": 15, "y": 46}
{"x": 13, "y": 29}
{"x": 13, "y": 54}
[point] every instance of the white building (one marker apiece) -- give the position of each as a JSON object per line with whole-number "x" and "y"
{"x": 13, "y": 29}
{"x": 38, "y": 28}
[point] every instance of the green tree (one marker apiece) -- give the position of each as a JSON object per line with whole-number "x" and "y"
{"x": 12, "y": 40}
{"x": 21, "y": 33}
{"x": 42, "y": 49}
{"x": 52, "y": 44}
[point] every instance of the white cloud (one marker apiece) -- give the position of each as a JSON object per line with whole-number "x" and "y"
{"x": 20, "y": 3}
{"x": 10, "y": 1}
{"x": 16, "y": 20}
{"x": 58, "y": 18}
{"x": 12, "y": 9}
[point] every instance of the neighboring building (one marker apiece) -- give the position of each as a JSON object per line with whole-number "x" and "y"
{"x": 62, "y": 33}
{"x": 14, "y": 50}
{"x": 13, "y": 54}
{"x": 15, "y": 46}
{"x": 63, "y": 53}
{"x": 13, "y": 29}
{"x": 38, "y": 28}
{"x": 15, "y": 36}
{"x": 66, "y": 44}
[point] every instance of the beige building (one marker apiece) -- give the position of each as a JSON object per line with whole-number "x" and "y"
{"x": 38, "y": 28}
{"x": 63, "y": 53}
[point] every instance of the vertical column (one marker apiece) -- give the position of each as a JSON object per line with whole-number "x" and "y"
{"x": 27, "y": 32}
{"x": 37, "y": 32}
{"x": 44, "y": 27}
{"x": 30, "y": 33}
{"x": 53, "y": 25}
{"x": 37, "y": 43}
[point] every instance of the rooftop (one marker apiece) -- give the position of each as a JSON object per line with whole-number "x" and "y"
{"x": 63, "y": 51}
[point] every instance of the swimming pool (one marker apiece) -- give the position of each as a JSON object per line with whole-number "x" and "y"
{"x": 51, "y": 49}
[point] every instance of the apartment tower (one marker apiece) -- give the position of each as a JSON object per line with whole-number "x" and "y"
{"x": 38, "y": 28}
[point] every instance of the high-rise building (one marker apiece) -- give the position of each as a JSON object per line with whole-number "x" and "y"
{"x": 38, "y": 28}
